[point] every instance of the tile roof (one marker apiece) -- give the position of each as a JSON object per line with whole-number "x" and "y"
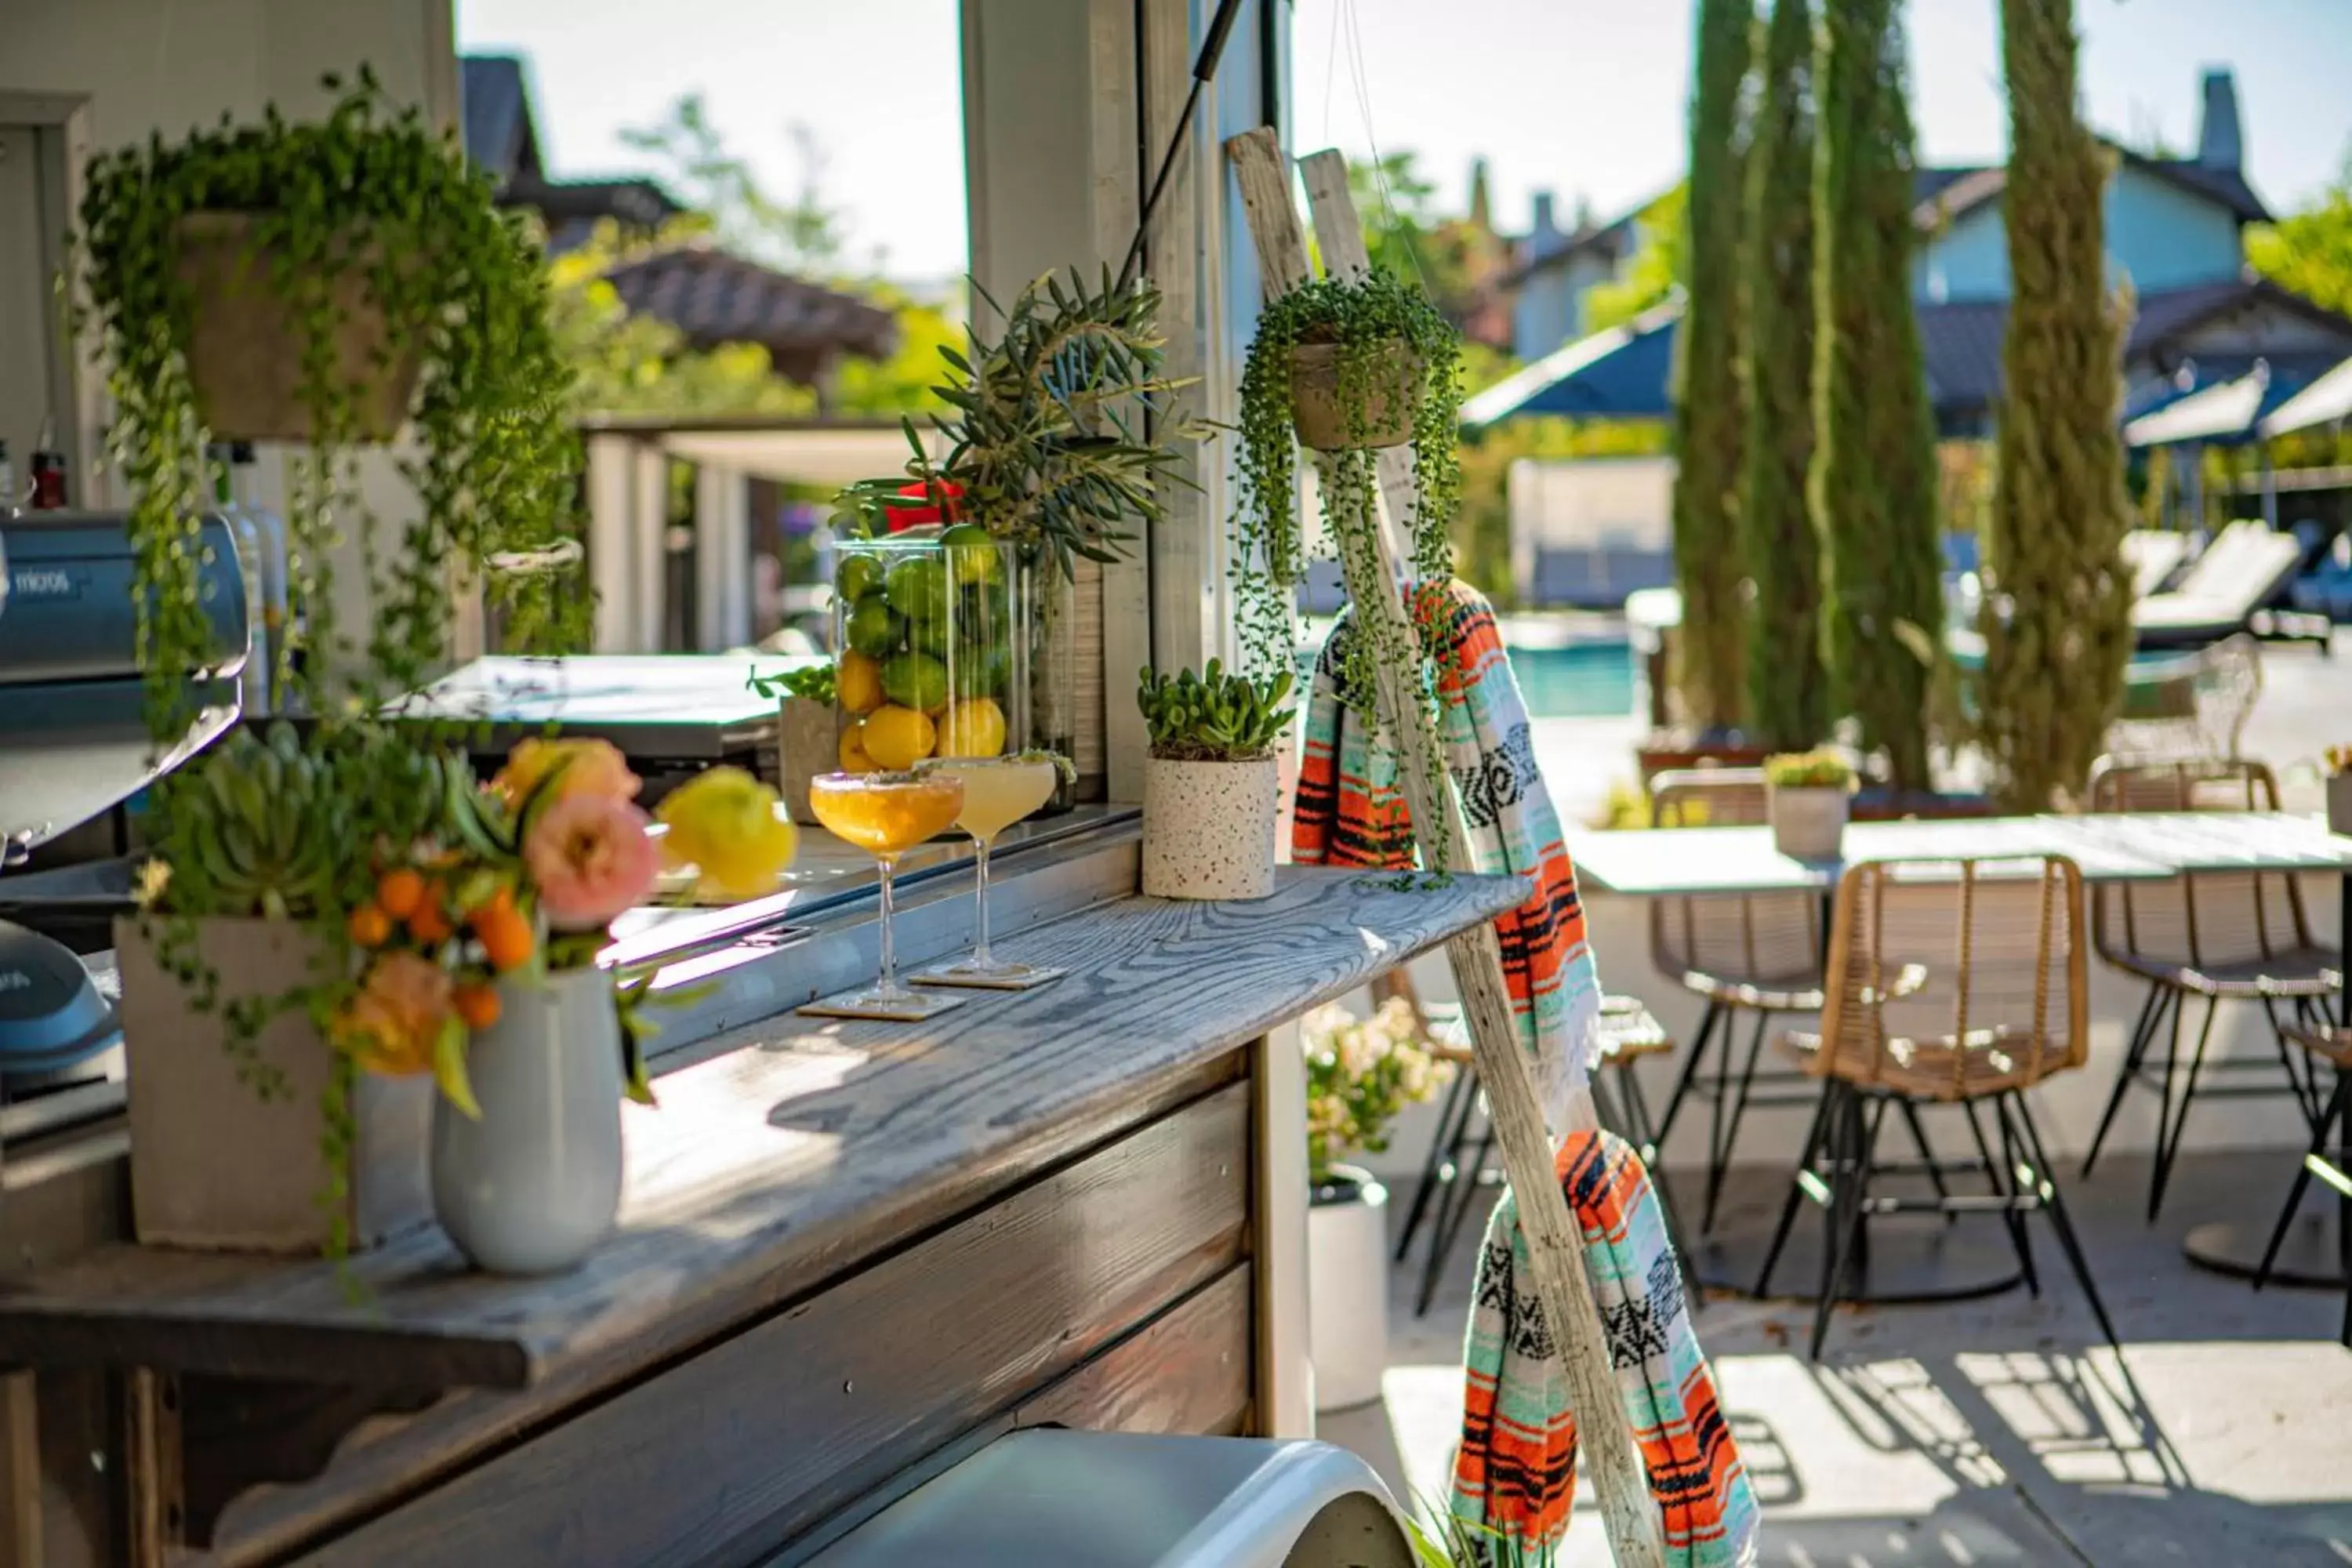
{"x": 714, "y": 297}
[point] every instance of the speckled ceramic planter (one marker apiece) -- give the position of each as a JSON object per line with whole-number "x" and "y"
{"x": 1208, "y": 828}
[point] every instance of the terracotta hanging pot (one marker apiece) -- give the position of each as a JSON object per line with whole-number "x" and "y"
{"x": 1393, "y": 395}
{"x": 245, "y": 342}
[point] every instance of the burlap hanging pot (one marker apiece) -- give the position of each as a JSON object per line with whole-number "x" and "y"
{"x": 247, "y": 340}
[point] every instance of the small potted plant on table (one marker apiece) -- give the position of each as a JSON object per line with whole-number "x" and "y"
{"x": 2337, "y": 764}
{"x": 1360, "y": 1073}
{"x": 1212, "y": 784}
{"x": 1807, "y": 795}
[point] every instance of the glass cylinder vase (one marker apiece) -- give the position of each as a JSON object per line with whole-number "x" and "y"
{"x": 929, "y": 649}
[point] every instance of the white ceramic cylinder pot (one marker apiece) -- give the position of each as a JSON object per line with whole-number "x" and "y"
{"x": 1347, "y": 1288}
{"x": 1208, "y": 828}
{"x": 532, "y": 1186}
{"x": 1809, "y": 822}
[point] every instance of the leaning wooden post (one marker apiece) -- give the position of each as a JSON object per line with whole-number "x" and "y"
{"x": 1369, "y": 562}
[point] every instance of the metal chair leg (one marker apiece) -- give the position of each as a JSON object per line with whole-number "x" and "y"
{"x": 1724, "y": 1126}
{"x": 2336, "y": 1106}
{"x": 2045, "y": 1188}
{"x": 2151, "y": 1017}
{"x": 2003, "y": 1175}
{"x": 1460, "y": 1096}
{"x": 1853, "y": 1183}
{"x": 1814, "y": 1139}
{"x": 1452, "y": 1210}
{"x": 2168, "y": 1143}
{"x": 1689, "y": 1075}
{"x": 1927, "y": 1157}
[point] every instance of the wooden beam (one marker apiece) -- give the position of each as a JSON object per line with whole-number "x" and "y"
{"x": 1371, "y": 565}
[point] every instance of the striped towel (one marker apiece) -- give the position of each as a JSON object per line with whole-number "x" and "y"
{"x": 1350, "y": 812}
{"x": 1515, "y": 1475}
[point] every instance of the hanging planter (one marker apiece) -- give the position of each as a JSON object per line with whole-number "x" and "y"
{"x": 1380, "y": 413}
{"x": 247, "y": 338}
{"x": 1212, "y": 783}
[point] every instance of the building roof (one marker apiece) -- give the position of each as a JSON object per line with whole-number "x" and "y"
{"x": 715, "y": 297}
{"x": 502, "y": 138}
{"x": 1946, "y": 192}
{"x": 1625, "y": 374}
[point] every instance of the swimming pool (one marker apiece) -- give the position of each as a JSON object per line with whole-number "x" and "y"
{"x": 1578, "y": 678}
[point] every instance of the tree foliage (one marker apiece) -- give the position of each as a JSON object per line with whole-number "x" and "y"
{"x": 2310, "y": 252}
{"x": 1707, "y": 408}
{"x": 1788, "y": 688}
{"x": 2057, "y": 621}
{"x": 1873, "y": 484}
{"x": 802, "y": 234}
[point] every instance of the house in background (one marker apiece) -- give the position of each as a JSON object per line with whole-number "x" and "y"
{"x": 711, "y": 296}
{"x": 2175, "y": 235}
{"x": 1556, "y": 270}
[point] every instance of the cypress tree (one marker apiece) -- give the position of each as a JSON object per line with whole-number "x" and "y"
{"x": 1873, "y": 486}
{"x": 1708, "y": 416}
{"x": 2057, "y": 619}
{"x": 1788, "y": 692}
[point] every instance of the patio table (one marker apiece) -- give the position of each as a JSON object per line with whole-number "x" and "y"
{"x": 2140, "y": 846}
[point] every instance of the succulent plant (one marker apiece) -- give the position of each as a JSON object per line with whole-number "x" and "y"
{"x": 1808, "y": 770}
{"x": 254, "y": 830}
{"x": 1213, "y": 717}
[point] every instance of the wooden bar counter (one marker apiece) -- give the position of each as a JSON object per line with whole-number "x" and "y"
{"x": 849, "y": 1254}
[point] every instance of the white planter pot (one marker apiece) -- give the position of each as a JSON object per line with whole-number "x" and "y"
{"x": 1807, "y": 823}
{"x": 1348, "y": 1290}
{"x": 533, "y": 1186}
{"x": 2339, "y": 804}
{"x": 1208, "y": 828}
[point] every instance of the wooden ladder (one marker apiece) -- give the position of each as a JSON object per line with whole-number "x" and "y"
{"x": 1372, "y": 568}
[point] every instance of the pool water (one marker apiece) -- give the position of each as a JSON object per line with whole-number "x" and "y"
{"x": 1575, "y": 679}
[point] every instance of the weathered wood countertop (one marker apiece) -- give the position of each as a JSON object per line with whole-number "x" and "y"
{"x": 804, "y": 1147}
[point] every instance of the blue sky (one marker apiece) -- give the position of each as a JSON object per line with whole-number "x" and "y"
{"x": 1582, "y": 97}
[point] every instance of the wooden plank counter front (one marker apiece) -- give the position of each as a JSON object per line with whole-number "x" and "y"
{"x": 847, "y": 1252}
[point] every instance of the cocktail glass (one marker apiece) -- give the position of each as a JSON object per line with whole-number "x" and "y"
{"x": 997, "y": 793}
{"x": 886, "y": 814}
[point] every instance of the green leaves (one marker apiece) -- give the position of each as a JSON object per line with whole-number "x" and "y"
{"x": 815, "y": 682}
{"x": 1213, "y": 717}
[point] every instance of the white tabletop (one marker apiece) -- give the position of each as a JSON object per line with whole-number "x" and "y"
{"x": 2146, "y": 846}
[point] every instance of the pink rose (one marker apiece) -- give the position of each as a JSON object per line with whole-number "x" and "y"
{"x": 591, "y": 859}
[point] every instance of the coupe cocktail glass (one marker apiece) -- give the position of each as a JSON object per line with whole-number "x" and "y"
{"x": 997, "y": 793}
{"x": 886, "y": 814}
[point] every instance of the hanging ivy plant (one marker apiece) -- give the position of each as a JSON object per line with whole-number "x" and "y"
{"x": 368, "y": 236}
{"x": 1380, "y": 363}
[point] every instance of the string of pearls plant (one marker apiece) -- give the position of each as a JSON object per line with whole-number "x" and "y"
{"x": 1352, "y": 365}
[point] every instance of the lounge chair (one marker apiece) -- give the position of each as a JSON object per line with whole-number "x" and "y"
{"x": 2155, "y": 557}
{"x": 2241, "y": 574}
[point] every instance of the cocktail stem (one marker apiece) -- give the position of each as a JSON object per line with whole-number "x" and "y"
{"x": 890, "y": 981}
{"x": 980, "y": 959}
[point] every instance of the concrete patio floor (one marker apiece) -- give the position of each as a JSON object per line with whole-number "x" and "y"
{"x": 1997, "y": 1431}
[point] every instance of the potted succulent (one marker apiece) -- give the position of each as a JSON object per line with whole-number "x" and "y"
{"x": 2337, "y": 763}
{"x": 482, "y": 968}
{"x": 811, "y": 739}
{"x": 1806, "y": 797}
{"x": 1360, "y": 1073}
{"x": 1212, "y": 783}
{"x": 228, "y": 970}
{"x": 1049, "y": 451}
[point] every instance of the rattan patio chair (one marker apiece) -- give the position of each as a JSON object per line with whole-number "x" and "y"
{"x": 1757, "y": 954}
{"x": 2234, "y": 936}
{"x": 1949, "y": 984}
{"x": 2330, "y": 1046}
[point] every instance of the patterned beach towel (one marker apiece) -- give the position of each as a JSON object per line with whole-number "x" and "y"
{"x": 1515, "y": 1474}
{"x": 1351, "y": 812}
